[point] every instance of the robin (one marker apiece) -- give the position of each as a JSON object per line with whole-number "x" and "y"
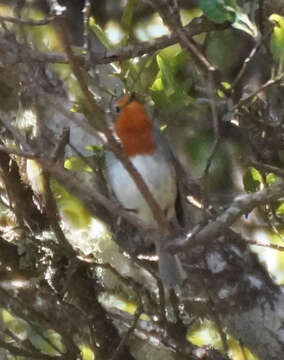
{"x": 149, "y": 153}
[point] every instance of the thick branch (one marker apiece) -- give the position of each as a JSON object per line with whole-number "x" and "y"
{"x": 196, "y": 27}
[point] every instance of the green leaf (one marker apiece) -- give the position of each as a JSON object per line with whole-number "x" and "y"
{"x": 270, "y": 178}
{"x": 96, "y": 149}
{"x": 70, "y": 207}
{"x": 221, "y": 94}
{"x": 226, "y": 85}
{"x": 99, "y": 32}
{"x": 252, "y": 180}
{"x": 280, "y": 210}
{"x": 86, "y": 352}
{"x": 44, "y": 346}
{"x": 218, "y": 11}
{"x": 127, "y": 16}
{"x": 75, "y": 108}
{"x": 138, "y": 73}
{"x": 166, "y": 72}
{"x": 76, "y": 164}
{"x": 169, "y": 92}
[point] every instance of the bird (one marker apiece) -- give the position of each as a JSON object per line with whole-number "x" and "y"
{"x": 149, "y": 152}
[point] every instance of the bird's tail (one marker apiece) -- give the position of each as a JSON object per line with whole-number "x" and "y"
{"x": 171, "y": 271}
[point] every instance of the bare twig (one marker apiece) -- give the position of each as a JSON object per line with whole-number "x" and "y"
{"x": 216, "y": 138}
{"x": 31, "y": 22}
{"x": 196, "y": 26}
{"x": 131, "y": 330}
{"x": 241, "y": 205}
{"x": 247, "y": 61}
{"x": 24, "y": 154}
{"x": 214, "y": 122}
{"x": 269, "y": 246}
{"x": 264, "y": 86}
{"x": 90, "y": 197}
{"x": 59, "y": 150}
{"x": 172, "y": 17}
{"x": 216, "y": 318}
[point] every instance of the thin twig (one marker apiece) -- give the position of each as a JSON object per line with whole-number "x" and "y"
{"x": 196, "y": 27}
{"x": 269, "y": 246}
{"x": 264, "y": 86}
{"x": 59, "y": 149}
{"x": 216, "y": 138}
{"x": 90, "y": 196}
{"x": 31, "y": 22}
{"x": 24, "y": 154}
{"x": 172, "y": 18}
{"x": 241, "y": 205}
{"x": 216, "y": 318}
{"x": 125, "y": 338}
{"x": 247, "y": 61}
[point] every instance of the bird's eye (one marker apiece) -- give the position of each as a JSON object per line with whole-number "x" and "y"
{"x": 117, "y": 109}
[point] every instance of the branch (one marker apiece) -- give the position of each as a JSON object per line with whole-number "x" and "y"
{"x": 264, "y": 86}
{"x": 197, "y": 26}
{"x": 24, "y": 154}
{"x": 31, "y": 22}
{"x": 242, "y": 205}
{"x": 91, "y": 197}
{"x": 128, "y": 333}
{"x": 170, "y": 14}
{"x": 269, "y": 246}
{"x": 249, "y": 58}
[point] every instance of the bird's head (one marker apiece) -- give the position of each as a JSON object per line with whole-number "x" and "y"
{"x": 134, "y": 127}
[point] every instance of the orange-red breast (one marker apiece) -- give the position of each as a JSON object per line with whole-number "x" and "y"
{"x": 148, "y": 151}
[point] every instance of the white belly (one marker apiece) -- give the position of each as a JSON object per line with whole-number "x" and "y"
{"x": 159, "y": 177}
